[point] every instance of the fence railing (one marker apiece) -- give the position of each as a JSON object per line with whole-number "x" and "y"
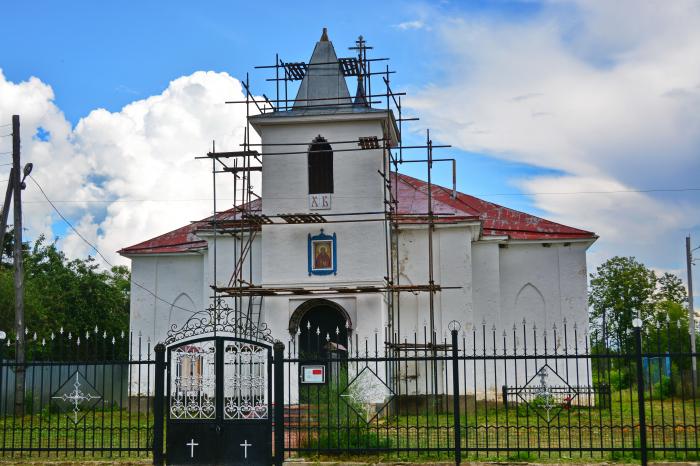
{"x": 85, "y": 394}
{"x": 521, "y": 394}
{"x": 477, "y": 393}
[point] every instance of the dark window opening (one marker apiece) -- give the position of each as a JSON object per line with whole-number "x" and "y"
{"x": 320, "y": 167}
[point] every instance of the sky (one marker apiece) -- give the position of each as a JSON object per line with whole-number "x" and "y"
{"x": 583, "y": 112}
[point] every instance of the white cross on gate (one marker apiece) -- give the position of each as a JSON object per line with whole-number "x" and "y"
{"x": 245, "y": 446}
{"x": 192, "y": 444}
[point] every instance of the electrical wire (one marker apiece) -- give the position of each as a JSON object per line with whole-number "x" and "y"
{"x": 620, "y": 191}
{"x": 70, "y": 225}
{"x": 203, "y": 199}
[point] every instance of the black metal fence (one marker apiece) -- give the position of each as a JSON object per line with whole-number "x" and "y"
{"x": 478, "y": 393}
{"x": 85, "y": 394}
{"x": 519, "y": 394}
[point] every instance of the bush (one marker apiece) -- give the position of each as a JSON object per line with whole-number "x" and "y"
{"x": 620, "y": 379}
{"x": 663, "y": 389}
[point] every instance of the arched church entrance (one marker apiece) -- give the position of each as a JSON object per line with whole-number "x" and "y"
{"x": 322, "y": 327}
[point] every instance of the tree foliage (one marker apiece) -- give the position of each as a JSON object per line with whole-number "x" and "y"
{"x": 623, "y": 288}
{"x": 74, "y": 294}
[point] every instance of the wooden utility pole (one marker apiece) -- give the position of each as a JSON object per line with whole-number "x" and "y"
{"x": 6, "y": 210}
{"x": 19, "y": 269}
{"x": 691, "y": 308}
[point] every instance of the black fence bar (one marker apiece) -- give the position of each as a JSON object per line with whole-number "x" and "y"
{"x": 158, "y": 404}
{"x": 278, "y": 360}
{"x": 455, "y": 396}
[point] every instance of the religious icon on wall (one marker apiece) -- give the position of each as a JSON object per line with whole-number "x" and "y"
{"x": 322, "y": 254}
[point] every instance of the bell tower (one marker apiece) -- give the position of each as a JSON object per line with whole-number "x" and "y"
{"x": 323, "y": 155}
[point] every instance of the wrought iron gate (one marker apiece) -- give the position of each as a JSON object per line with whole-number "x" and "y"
{"x": 219, "y": 393}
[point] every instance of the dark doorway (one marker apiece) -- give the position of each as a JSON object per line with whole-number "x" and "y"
{"x": 323, "y": 332}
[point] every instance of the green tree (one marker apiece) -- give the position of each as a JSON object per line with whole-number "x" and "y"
{"x": 74, "y": 294}
{"x": 671, "y": 288}
{"x": 620, "y": 289}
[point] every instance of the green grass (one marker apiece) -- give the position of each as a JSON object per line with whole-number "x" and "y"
{"x": 117, "y": 429}
{"x": 671, "y": 422}
{"x": 490, "y": 429}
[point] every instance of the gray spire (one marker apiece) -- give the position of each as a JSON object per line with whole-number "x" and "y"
{"x": 324, "y": 79}
{"x": 360, "y": 94}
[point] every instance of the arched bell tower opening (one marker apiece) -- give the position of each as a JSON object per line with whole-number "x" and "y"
{"x": 322, "y": 327}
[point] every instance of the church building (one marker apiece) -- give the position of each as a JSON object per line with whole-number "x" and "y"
{"x": 341, "y": 244}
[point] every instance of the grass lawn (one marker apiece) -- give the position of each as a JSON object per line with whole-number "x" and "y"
{"x": 490, "y": 432}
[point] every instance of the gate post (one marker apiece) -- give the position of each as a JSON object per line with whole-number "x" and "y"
{"x": 279, "y": 402}
{"x": 637, "y": 324}
{"x": 455, "y": 392}
{"x": 159, "y": 395}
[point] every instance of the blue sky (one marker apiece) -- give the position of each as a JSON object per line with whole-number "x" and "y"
{"x": 106, "y": 55}
{"x": 534, "y": 96}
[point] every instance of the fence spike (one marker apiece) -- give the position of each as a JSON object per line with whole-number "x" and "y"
{"x": 61, "y": 331}
{"x": 104, "y": 334}
{"x": 52, "y": 336}
{"x": 77, "y": 342}
{"x": 70, "y": 336}
{"x": 113, "y": 341}
{"x": 34, "y": 336}
{"x": 43, "y": 342}
{"x": 87, "y": 334}
{"x": 95, "y": 328}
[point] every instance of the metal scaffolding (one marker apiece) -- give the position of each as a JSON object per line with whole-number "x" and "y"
{"x": 246, "y": 220}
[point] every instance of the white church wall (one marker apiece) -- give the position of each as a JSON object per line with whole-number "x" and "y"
{"x": 451, "y": 268}
{"x": 361, "y": 256}
{"x": 357, "y": 185}
{"x": 177, "y": 279}
{"x": 486, "y": 283}
{"x": 544, "y": 286}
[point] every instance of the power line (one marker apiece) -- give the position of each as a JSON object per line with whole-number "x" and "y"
{"x": 203, "y": 199}
{"x": 619, "y": 191}
{"x": 70, "y": 225}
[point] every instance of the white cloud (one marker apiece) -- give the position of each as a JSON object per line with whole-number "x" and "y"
{"x": 608, "y": 93}
{"x": 145, "y": 151}
{"x": 409, "y": 25}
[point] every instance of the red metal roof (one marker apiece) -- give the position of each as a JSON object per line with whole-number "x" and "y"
{"x": 184, "y": 239}
{"x": 413, "y": 202}
{"x": 496, "y": 220}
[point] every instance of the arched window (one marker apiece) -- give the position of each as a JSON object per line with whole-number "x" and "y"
{"x": 320, "y": 167}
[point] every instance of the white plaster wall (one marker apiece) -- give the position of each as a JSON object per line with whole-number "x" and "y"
{"x": 545, "y": 286}
{"x": 357, "y": 185}
{"x": 361, "y": 255}
{"x": 451, "y": 268}
{"x": 176, "y": 279}
{"x": 486, "y": 283}
{"x": 358, "y": 188}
